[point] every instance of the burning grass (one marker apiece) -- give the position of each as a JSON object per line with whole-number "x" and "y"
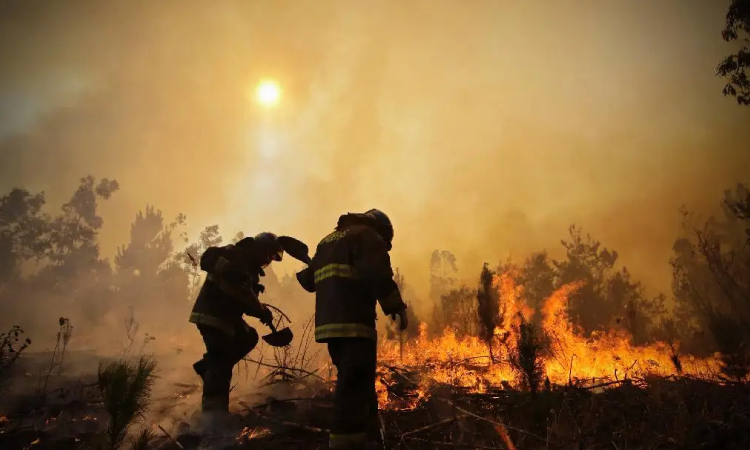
{"x": 546, "y": 386}
{"x": 553, "y": 350}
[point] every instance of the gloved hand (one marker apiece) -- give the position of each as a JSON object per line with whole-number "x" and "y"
{"x": 265, "y": 316}
{"x": 404, "y": 321}
{"x": 259, "y": 288}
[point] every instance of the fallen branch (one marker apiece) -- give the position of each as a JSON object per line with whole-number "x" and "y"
{"x": 284, "y": 422}
{"x": 447, "y": 444}
{"x": 499, "y": 428}
{"x": 430, "y": 427}
{"x": 608, "y": 383}
{"x": 495, "y": 423}
{"x": 169, "y": 436}
{"x": 295, "y": 399}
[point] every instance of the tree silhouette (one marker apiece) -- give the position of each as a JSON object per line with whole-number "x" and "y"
{"x": 735, "y": 66}
{"x": 443, "y": 273}
{"x": 711, "y": 269}
{"x": 209, "y": 237}
{"x": 608, "y": 294}
{"x": 68, "y": 270}
{"x": 537, "y": 275}
{"x": 147, "y": 275}
{"x": 488, "y": 307}
{"x": 587, "y": 261}
{"x": 23, "y": 231}
{"x": 443, "y": 278}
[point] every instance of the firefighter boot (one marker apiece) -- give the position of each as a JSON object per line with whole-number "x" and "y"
{"x": 215, "y": 401}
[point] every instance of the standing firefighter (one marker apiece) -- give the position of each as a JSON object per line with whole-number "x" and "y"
{"x": 350, "y": 271}
{"x": 231, "y": 290}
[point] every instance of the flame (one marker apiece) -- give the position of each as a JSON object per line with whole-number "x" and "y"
{"x": 465, "y": 361}
{"x": 248, "y": 433}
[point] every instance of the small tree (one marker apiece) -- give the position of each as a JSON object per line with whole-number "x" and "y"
{"x": 488, "y": 307}
{"x": 126, "y": 392}
{"x": 458, "y": 311}
{"x": 537, "y": 276}
{"x": 528, "y": 355}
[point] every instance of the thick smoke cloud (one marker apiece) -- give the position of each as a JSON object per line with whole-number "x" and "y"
{"x": 481, "y": 127}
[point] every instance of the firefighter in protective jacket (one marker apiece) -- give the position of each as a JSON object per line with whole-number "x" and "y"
{"x": 231, "y": 290}
{"x": 350, "y": 272}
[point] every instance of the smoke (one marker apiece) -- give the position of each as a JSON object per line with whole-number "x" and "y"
{"x": 484, "y": 128}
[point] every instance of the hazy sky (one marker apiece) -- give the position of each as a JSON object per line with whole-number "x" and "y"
{"x": 481, "y": 127}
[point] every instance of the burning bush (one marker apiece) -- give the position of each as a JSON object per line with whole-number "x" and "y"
{"x": 529, "y": 353}
{"x": 488, "y": 308}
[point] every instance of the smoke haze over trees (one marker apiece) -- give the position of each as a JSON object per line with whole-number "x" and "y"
{"x": 486, "y": 152}
{"x": 52, "y": 266}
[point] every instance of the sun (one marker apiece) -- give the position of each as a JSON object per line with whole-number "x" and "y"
{"x": 268, "y": 93}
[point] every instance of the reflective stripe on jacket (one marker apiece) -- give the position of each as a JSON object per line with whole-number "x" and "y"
{"x": 211, "y": 321}
{"x": 215, "y": 306}
{"x": 350, "y": 272}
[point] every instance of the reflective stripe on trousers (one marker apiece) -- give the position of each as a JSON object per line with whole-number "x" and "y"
{"x": 345, "y": 330}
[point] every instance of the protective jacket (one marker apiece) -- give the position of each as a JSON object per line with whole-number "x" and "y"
{"x": 230, "y": 274}
{"x": 350, "y": 272}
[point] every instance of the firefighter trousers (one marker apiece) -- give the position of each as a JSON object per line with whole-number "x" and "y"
{"x": 355, "y": 405}
{"x": 223, "y": 351}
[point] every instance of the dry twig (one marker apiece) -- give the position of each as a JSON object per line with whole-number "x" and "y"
{"x": 170, "y": 437}
{"x": 431, "y": 426}
{"x": 284, "y": 422}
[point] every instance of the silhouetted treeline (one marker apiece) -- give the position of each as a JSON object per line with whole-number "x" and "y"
{"x": 50, "y": 265}
{"x": 710, "y": 310}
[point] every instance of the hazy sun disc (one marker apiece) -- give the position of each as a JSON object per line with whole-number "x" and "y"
{"x": 268, "y": 93}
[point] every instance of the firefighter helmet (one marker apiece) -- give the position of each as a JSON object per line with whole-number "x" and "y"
{"x": 383, "y": 225}
{"x": 268, "y": 247}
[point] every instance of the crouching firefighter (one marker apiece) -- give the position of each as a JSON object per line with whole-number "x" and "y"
{"x": 350, "y": 272}
{"x": 230, "y": 290}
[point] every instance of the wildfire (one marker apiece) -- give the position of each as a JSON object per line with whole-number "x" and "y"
{"x": 465, "y": 362}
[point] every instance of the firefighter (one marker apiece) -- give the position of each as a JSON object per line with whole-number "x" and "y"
{"x": 231, "y": 289}
{"x": 350, "y": 272}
